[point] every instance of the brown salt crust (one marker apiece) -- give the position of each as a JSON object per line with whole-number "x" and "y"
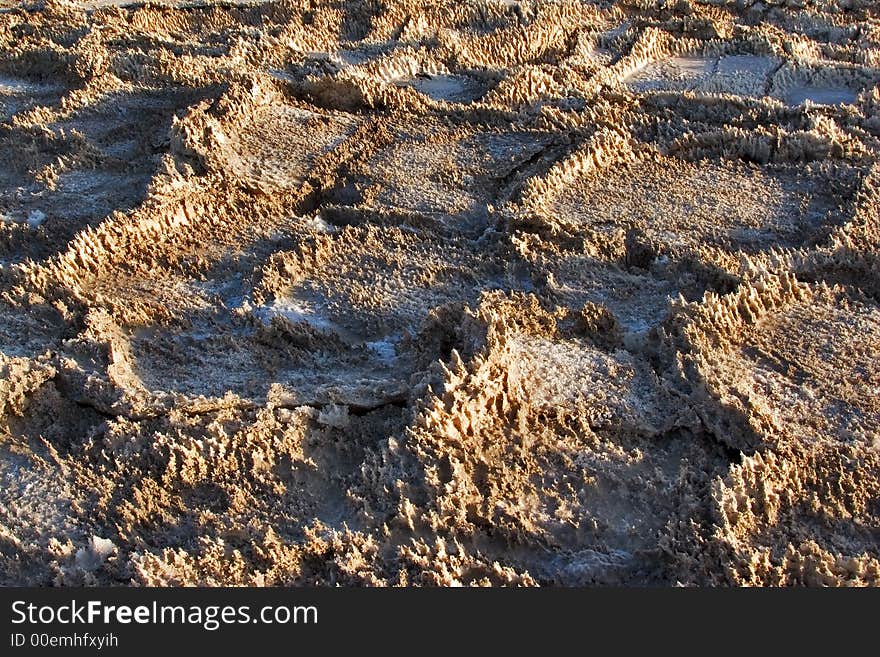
{"x": 606, "y": 148}
{"x": 472, "y": 484}
{"x": 801, "y": 515}
{"x": 651, "y": 45}
{"x": 81, "y": 166}
{"x": 336, "y": 329}
{"x": 173, "y": 213}
{"x": 624, "y": 279}
{"x": 541, "y": 39}
{"x": 824, "y": 140}
{"x": 20, "y": 378}
{"x": 806, "y": 206}
{"x": 850, "y": 258}
{"x": 755, "y": 363}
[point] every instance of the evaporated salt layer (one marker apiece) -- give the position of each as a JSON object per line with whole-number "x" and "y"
{"x": 820, "y": 95}
{"x": 544, "y": 293}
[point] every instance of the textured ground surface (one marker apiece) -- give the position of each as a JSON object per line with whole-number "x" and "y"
{"x": 485, "y": 293}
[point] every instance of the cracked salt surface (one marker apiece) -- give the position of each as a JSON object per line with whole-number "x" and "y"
{"x": 742, "y": 75}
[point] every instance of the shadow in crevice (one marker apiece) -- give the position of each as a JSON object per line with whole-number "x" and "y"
{"x": 109, "y": 152}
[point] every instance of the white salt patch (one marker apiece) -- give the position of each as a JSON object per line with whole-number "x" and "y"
{"x": 386, "y": 349}
{"x": 445, "y": 87}
{"x": 318, "y": 224}
{"x": 691, "y": 66}
{"x": 294, "y": 312}
{"x": 673, "y": 73}
{"x": 95, "y": 553}
{"x": 744, "y": 75}
{"x": 36, "y": 218}
{"x": 334, "y": 415}
{"x": 15, "y": 86}
{"x": 820, "y": 95}
{"x": 11, "y": 85}
{"x": 754, "y": 64}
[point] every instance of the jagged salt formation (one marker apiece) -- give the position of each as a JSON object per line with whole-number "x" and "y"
{"x": 486, "y": 293}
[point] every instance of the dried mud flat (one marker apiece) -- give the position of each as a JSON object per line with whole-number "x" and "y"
{"x": 487, "y": 293}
